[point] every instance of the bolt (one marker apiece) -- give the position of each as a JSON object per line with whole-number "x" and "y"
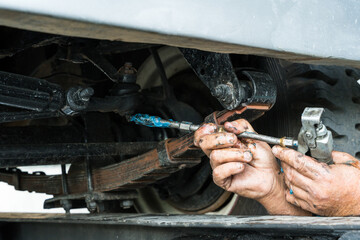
{"x": 308, "y": 135}
{"x": 128, "y": 68}
{"x": 126, "y": 204}
{"x": 127, "y": 73}
{"x": 66, "y": 204}
{"x": 128, "y": 65}
{"x": 218, "y": 91}
{"x": 86, "y": 93}
{"x": 91, "y": 206}
{"x": 224, "y": 92}
{"x": 320, "y": 127}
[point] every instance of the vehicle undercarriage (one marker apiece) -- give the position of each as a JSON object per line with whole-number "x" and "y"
{"x": 67, "y": 96}
{"x": 56, "y": 90}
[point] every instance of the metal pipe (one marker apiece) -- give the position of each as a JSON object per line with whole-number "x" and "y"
{"x": 285, "y": 142}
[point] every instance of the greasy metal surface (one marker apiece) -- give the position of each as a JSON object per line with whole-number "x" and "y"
{"x": 329, "y": 223}
{"x": 80, "y": 200}
{"x": 285, "y": 142}
{"x": 39, "y": 98}
{"x": 263, "y": 88}
{"x": 294, "y": 30}
{"x": 30, "y": 154}
{"x": 142, "y": 226}
{"x": 135, "y": 172}
{"x": 215, "y": 70}
{"x": 36, "y": 97}
{"x": 30, "y": 93}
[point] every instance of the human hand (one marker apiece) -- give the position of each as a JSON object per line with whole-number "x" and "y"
{"x": 327, "y": 190}
{"x": 245, "y": 167}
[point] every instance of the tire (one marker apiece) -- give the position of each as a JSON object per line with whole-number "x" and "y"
{"x": 300, "y": 85}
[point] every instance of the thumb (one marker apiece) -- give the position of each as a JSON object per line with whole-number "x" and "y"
{"x": 343, "y": 158}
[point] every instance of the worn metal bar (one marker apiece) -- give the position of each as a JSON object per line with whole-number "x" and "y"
{"x": 30, "y": 93}
{"x": 63, "y": 178}
{"x": 50, "y": 152}
{"x": 131, "y": 226}
{"x": 88, "y": 174}
{"x": 21, "y": 116}
{"x": 215, "y": 70}
{"x": 286, "y": 142}
{"x": 66, "y": 203}
{"x": 162, "y": 73}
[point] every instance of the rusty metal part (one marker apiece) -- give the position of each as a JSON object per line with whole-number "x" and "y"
{"x": 135, "y": 172}
{"x": 170, "y": 156}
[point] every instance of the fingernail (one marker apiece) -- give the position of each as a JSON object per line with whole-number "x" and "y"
{"x": 248, "y": 156}
{"x": 240, "y": 165}
{"x": 275, "y": 150}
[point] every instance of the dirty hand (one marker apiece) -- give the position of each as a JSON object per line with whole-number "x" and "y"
{"x": 247, "y": 167}
{"x": 327, "y": 190}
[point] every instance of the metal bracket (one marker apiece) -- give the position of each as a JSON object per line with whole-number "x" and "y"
{"x": 215, "y": 70}
{"x": 314, "y": 136}
{"x": 80, "y": 200}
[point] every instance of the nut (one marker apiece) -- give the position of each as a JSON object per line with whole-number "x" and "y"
{"x": 308, "y": 135}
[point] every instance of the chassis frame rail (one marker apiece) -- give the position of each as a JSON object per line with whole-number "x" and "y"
{"x": 142, "y": 226}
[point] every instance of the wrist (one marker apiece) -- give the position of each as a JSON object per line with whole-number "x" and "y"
{"x": 275, "y": 202}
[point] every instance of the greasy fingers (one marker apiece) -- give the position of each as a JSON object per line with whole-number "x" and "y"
{"x": 241, "y": 145}
{"x": 202, "y": 131}
{"x": 298, "y": 192}
{"x": 220, "y": 156}
{"x": 238, "y": 126}
{"x": 223, "y": 173}
{"x": 293, "y": 177}
{"x": 298, "y": 202}
{"x": 217, "y": 140}
{"x": 305, "y": 165}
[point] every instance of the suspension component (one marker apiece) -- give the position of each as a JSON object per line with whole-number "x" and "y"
{"x": 169, "y": 156}
{"x": 38, "y": 98}
{"x": 30, "y": 93}
{"x": 231, "y": 89}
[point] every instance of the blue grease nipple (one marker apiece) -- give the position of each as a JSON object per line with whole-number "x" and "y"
{"x": 150, "y": 121}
